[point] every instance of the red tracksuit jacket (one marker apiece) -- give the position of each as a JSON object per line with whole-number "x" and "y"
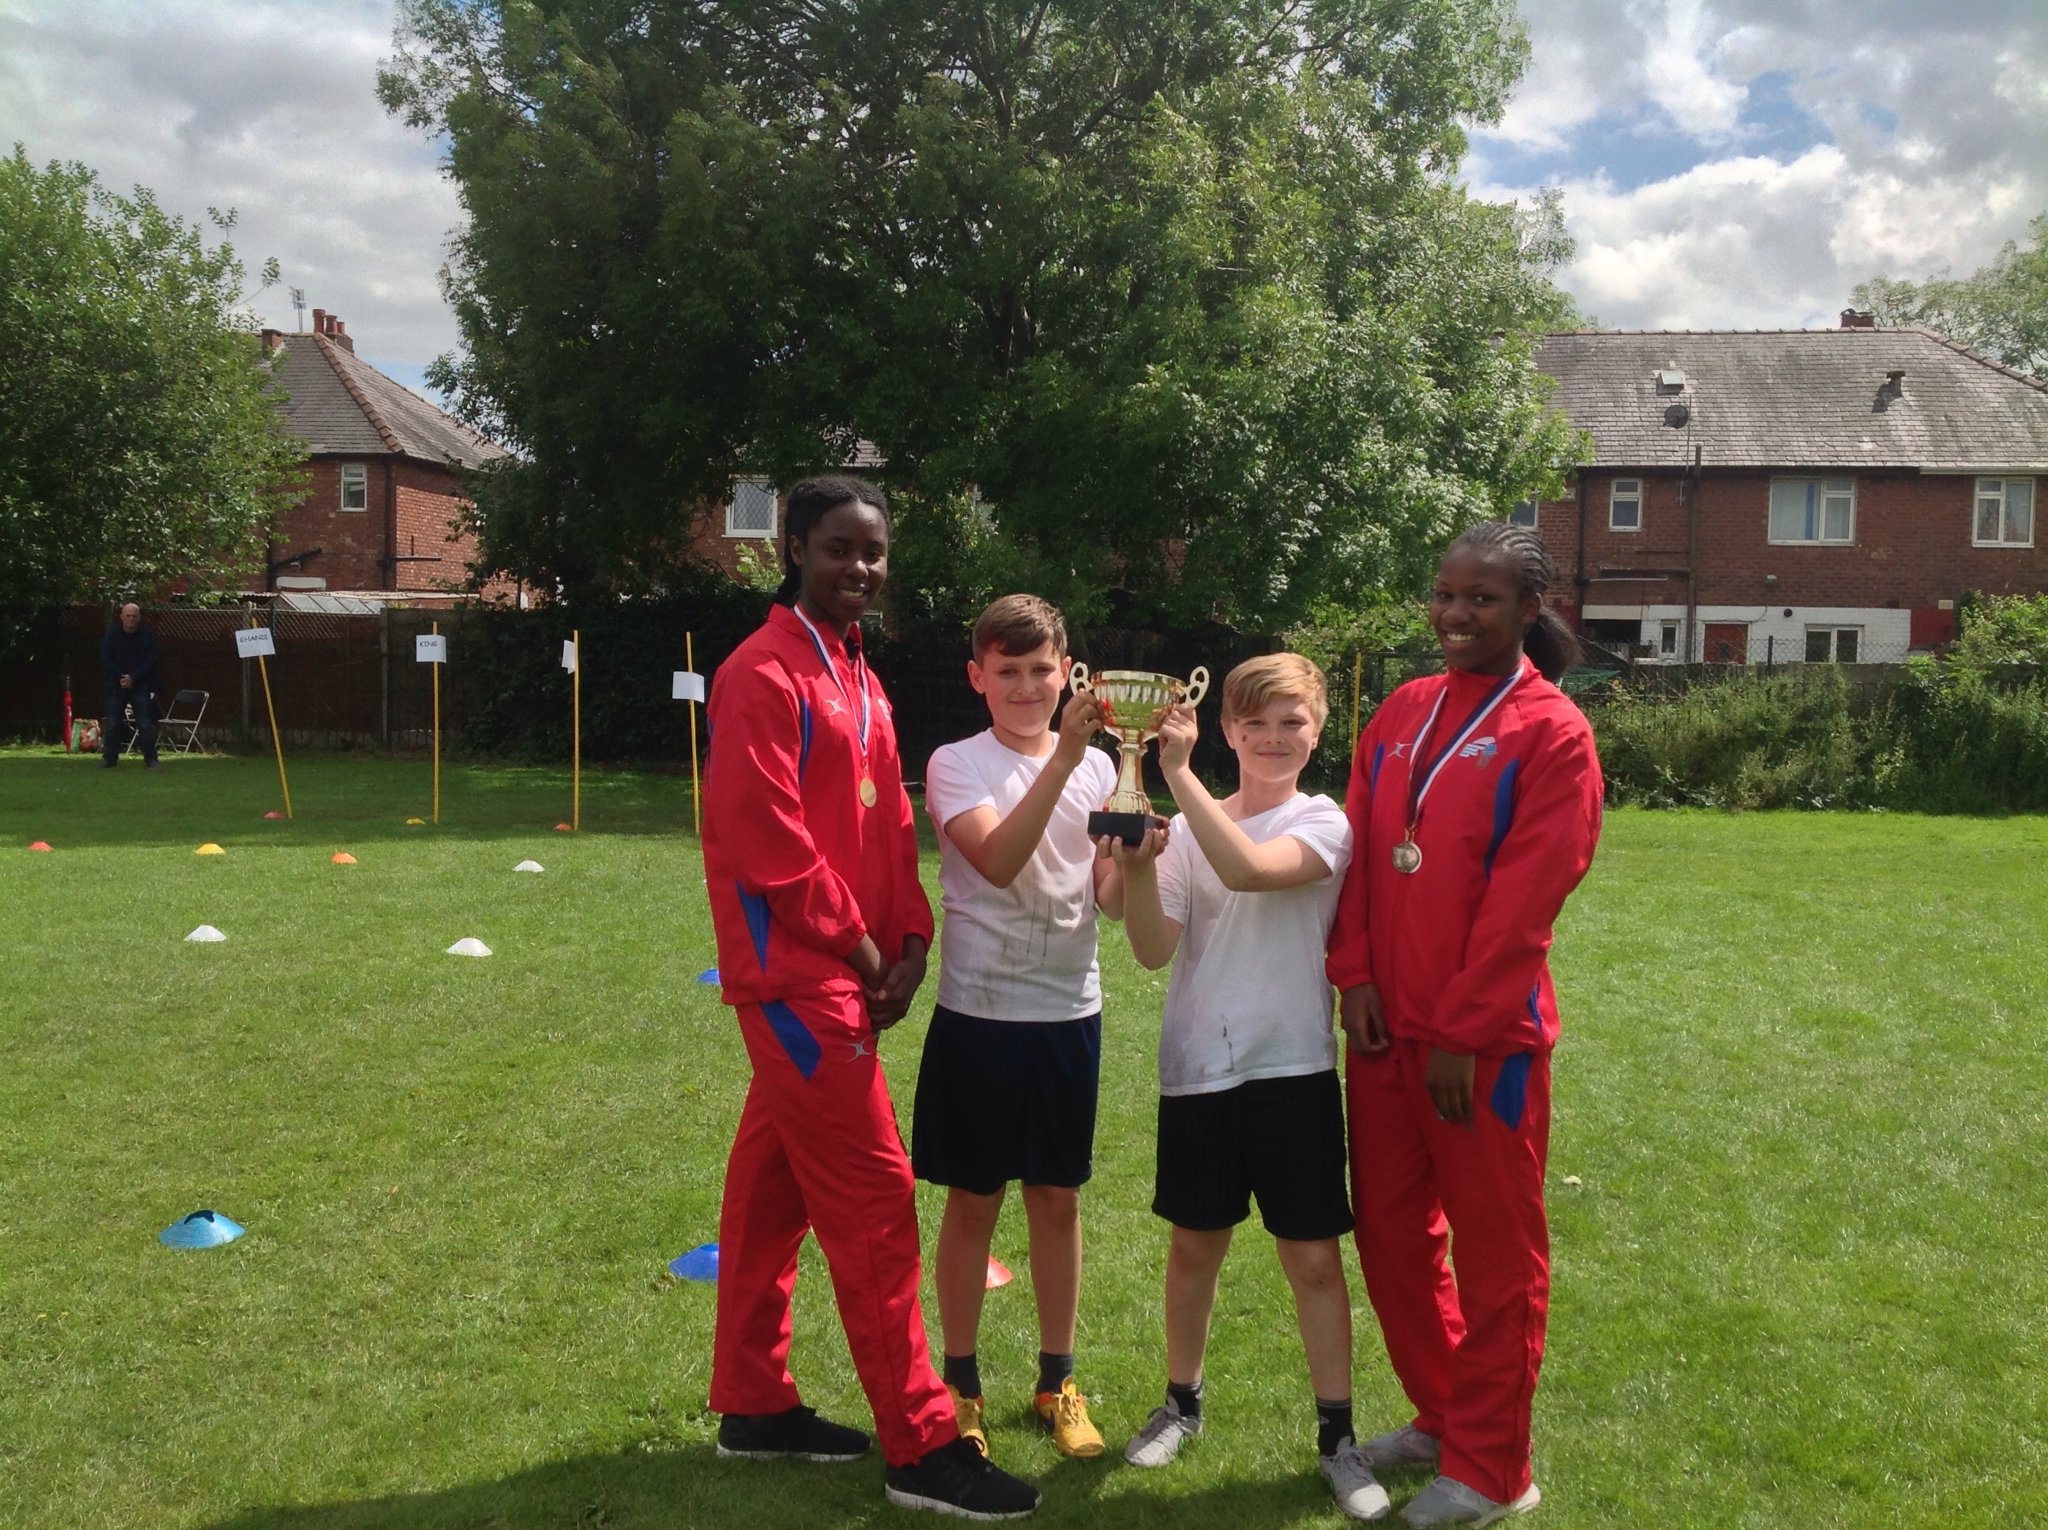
{"x": 796, "y": 868}
{"x": 1458, "y": 949}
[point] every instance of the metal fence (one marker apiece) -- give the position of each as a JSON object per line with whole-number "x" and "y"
{"x": 352, "y": 681}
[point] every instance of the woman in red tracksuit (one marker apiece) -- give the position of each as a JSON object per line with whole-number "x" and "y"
{"x": 810, "y": 862}
{"x": 1475, "y": 806}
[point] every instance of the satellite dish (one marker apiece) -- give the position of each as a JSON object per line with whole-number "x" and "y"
{"x": 1678, "y": 416}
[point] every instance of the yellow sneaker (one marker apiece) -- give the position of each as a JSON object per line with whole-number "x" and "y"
{"x": 967, "y": 1413}
{"x": 1067, "y": 1412}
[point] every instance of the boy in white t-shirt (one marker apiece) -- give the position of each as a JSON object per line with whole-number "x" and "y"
{"x": 1242, "y": 892}
{"x": 1006, "y": 1090}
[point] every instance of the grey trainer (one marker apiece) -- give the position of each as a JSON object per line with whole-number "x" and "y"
{"x": 1357, "y": 1490}
{"x": 1403, "y": 1447}
{"x": 1163, "y": 1435}
{"x": 1447, "y": 1501}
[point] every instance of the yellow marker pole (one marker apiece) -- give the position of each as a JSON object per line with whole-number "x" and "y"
{"x": 436, "y": 668}
{"x": 696, "y": 788}
{"x": 576, "y": 734}
{"x": 277, "y": 742}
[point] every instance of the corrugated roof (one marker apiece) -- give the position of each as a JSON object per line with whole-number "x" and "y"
{"x": 1797, "y": 398}
{"x": 340, "y": 405}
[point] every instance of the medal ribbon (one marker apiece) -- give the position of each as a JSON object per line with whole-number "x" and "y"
{"x": 860, "y": 677}
{"x": 1416, "y": 793}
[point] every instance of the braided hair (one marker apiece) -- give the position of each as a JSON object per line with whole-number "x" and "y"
{"x": 808, "y": 503}
{"x": 1548, "y": 642}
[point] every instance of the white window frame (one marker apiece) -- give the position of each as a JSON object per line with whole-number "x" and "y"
{"x": 1667, "y": 638}
{"x": 1524, "y": 513}
{"x": 1829, "y": 489}
{"x": 1999, "y": 492}
{"x": 358, "y": 474}
{"x": 1616, "y": 499}
{"x": 1834, "y": 630}
{"x": 733, "y": 526}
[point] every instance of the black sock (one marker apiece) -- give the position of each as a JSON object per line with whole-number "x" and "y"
{"x": 963, "y": 1375}
{"x": 1052, "y": 1370}
{"x": 1187, "y": 1399}
{"x": 1333, "y": 1425}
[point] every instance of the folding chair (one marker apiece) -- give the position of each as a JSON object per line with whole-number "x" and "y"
{"x": 176, "y": 734}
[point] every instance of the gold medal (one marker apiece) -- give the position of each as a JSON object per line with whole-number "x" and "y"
{"x": 1407, "y": 857}
{"x": 867, "y": 791}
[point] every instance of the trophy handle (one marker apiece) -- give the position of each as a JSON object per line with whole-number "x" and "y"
{"x": 1198, "y": 685}
{"x": 1078, "y": 677}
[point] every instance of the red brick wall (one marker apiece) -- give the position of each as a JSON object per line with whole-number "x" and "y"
{"x": 1912, "y": 545}
{"x": 709, "y": 542}
{"x": 430, "y": 505}
{"x": 354, "y": 543}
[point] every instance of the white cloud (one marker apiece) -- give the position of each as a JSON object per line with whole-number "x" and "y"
{"x": 266, "y": 106}
{"x": 1933, "y": 129}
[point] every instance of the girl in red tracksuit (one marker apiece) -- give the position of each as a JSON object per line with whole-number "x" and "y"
{"x": 1474, "y": 806}
{"x": 810, "y": 862}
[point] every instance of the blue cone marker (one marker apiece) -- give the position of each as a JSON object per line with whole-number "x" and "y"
{"x": 700, "y": 1263}
{"x": 202, "y": 1229}
{"x": 708, "y": 975}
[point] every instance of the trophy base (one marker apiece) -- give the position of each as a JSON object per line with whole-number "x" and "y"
{"x": 1128, "y": 827}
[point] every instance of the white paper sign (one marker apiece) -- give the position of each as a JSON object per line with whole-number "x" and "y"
{"x": 569, "y": 655}
{"x": 689, "y": 685}
{"x": 430, "y": 648}
{"x": 254, "y": 642}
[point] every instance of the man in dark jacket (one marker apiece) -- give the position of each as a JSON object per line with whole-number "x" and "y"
{"x": 128, "y": 655}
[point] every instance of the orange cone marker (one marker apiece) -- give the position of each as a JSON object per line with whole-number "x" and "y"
{"x": 997, "y": 1275}
{"x": 41, "y": 844}
{"x": 342, "y": 858}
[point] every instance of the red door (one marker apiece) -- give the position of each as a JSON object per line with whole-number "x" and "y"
{"x": 1727, "y": 642}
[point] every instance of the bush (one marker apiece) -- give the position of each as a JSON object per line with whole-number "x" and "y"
{"x": 1796, "y": 739}
{"x": 1965, "y": 735}
{"x": 1968, "y": 743}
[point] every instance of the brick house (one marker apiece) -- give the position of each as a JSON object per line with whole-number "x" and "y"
{"x": 382, "y": 515}
{"x": 751, "y": 516}
{"x": 1795, "y": 495}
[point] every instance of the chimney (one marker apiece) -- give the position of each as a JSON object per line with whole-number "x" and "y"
{"x": 319, "y": 321}
{"x": 272, "y": 340}
{"x": 1856, "y": 318}
{"x": 340, "y": 333}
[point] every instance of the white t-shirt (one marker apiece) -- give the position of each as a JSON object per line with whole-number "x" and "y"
{"x": 1026, "y": 951}
{"x": 1248, "y": 997}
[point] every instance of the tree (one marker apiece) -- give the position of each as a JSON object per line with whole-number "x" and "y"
{"x": 139, "y": 443}
{"x": 2000, "y": 311}
{"x": 1174, "y": 300}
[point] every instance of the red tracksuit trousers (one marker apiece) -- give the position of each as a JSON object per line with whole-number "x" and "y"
{"x": 818, "y": 1150}
{"x": 1466, "y": 1349}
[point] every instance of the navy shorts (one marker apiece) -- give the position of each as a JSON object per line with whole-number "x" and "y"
{"x": 1280, "y": 1140}
{"x": 1003, "y": 1100}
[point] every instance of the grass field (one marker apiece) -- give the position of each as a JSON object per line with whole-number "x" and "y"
{"x": 1801, "y": 1276}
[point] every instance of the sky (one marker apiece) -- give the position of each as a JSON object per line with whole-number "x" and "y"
{"x": 1724, "y": 163}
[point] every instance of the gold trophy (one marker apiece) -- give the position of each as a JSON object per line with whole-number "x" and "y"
{"x": 1134, "y": 703}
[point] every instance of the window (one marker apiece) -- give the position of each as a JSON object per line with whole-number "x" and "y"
{"x": 2005, "y": 512}
{"x": 1813, "y": 510}
{"x": 355, "y": 486}
{"x": 1625, "y": 505}
{"x": 1833, "y": 645}
{"x": 1667, "y": 640}
{"x": 1524, "y": 513}
{"x": 751, "y": 510}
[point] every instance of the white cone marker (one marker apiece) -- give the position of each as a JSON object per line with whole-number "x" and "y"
{"x": 469, "y": 945}
{"x": 529, "y": 866}
{"x": 206, "y": 935}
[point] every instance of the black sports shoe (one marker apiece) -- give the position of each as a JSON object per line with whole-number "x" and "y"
{"x": 956, "y": 1479}
{"x": 798, "y": 1432}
